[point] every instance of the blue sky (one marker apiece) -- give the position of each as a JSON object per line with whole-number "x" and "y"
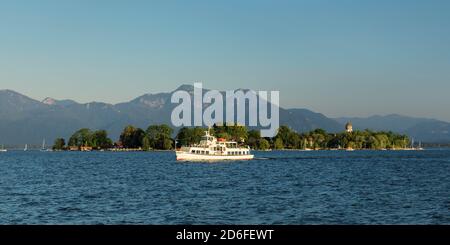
{"x": 341, "y": 58}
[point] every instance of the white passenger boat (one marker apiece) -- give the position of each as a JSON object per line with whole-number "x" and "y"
{"x": 212, "y": 149}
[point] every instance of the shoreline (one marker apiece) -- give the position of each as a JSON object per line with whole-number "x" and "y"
{"x": 299, "y": 150}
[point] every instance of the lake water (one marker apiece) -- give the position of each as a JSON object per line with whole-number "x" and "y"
{"x": 288, "y": 187}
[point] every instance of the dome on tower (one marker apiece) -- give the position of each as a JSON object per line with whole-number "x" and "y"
{"x": 349, "y": 127}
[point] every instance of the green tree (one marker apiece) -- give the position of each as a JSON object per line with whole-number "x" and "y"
{"x": 131, "y": 137}
{"x": 263, "y": 144}
{"x": 254, "y": 138}
{"x": 283, "y": 133}
{"x": 278, "y": 144}
{"x": 189, "y": 136}
{"x": 238, "y": 133}
{"x": 383, "y": 140}
{"x": 145, "y": 143}
{"x": 100, "y": 140}
{"x": 293, "y": 141}
{"x": 166, "y": 144}
{"x": 82, "y": 137}
{"x": 60, "y": 144}
{"x": 160, "y": 136}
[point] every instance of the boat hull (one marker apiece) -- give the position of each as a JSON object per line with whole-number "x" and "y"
{"x": 184, "y": 156}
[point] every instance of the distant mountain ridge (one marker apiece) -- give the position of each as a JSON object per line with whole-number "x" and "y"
{"x": 24, "y": 120}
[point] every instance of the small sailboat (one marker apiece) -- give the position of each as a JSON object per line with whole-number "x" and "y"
{"x": 43, "y": 146}
{"x": 420, "y": 148}
{"x": 26, "y": 147}
{"x": 3, "y": 149}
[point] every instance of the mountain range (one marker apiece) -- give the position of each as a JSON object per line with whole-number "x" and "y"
{"x": 24, "y": 120}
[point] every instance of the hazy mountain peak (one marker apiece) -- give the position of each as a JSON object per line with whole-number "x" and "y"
{"x": 185, "y": 87}
{"x": 154, "y": 101}
{"x": 15, "y": 98}
{"x": 49, "y": 101}
{"x": 54, "y": 102}
{"x": 12, "y": 93}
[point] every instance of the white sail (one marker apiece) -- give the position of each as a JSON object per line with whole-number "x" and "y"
{"x": 43, "y": 146}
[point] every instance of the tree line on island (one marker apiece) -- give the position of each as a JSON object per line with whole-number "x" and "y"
{"x": 159, "y": 137}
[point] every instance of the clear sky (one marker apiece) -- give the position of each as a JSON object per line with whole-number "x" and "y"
{"x": 337, "y": 57}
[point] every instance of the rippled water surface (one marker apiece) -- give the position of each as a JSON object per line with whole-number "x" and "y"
{"x": 329, "y": 187}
